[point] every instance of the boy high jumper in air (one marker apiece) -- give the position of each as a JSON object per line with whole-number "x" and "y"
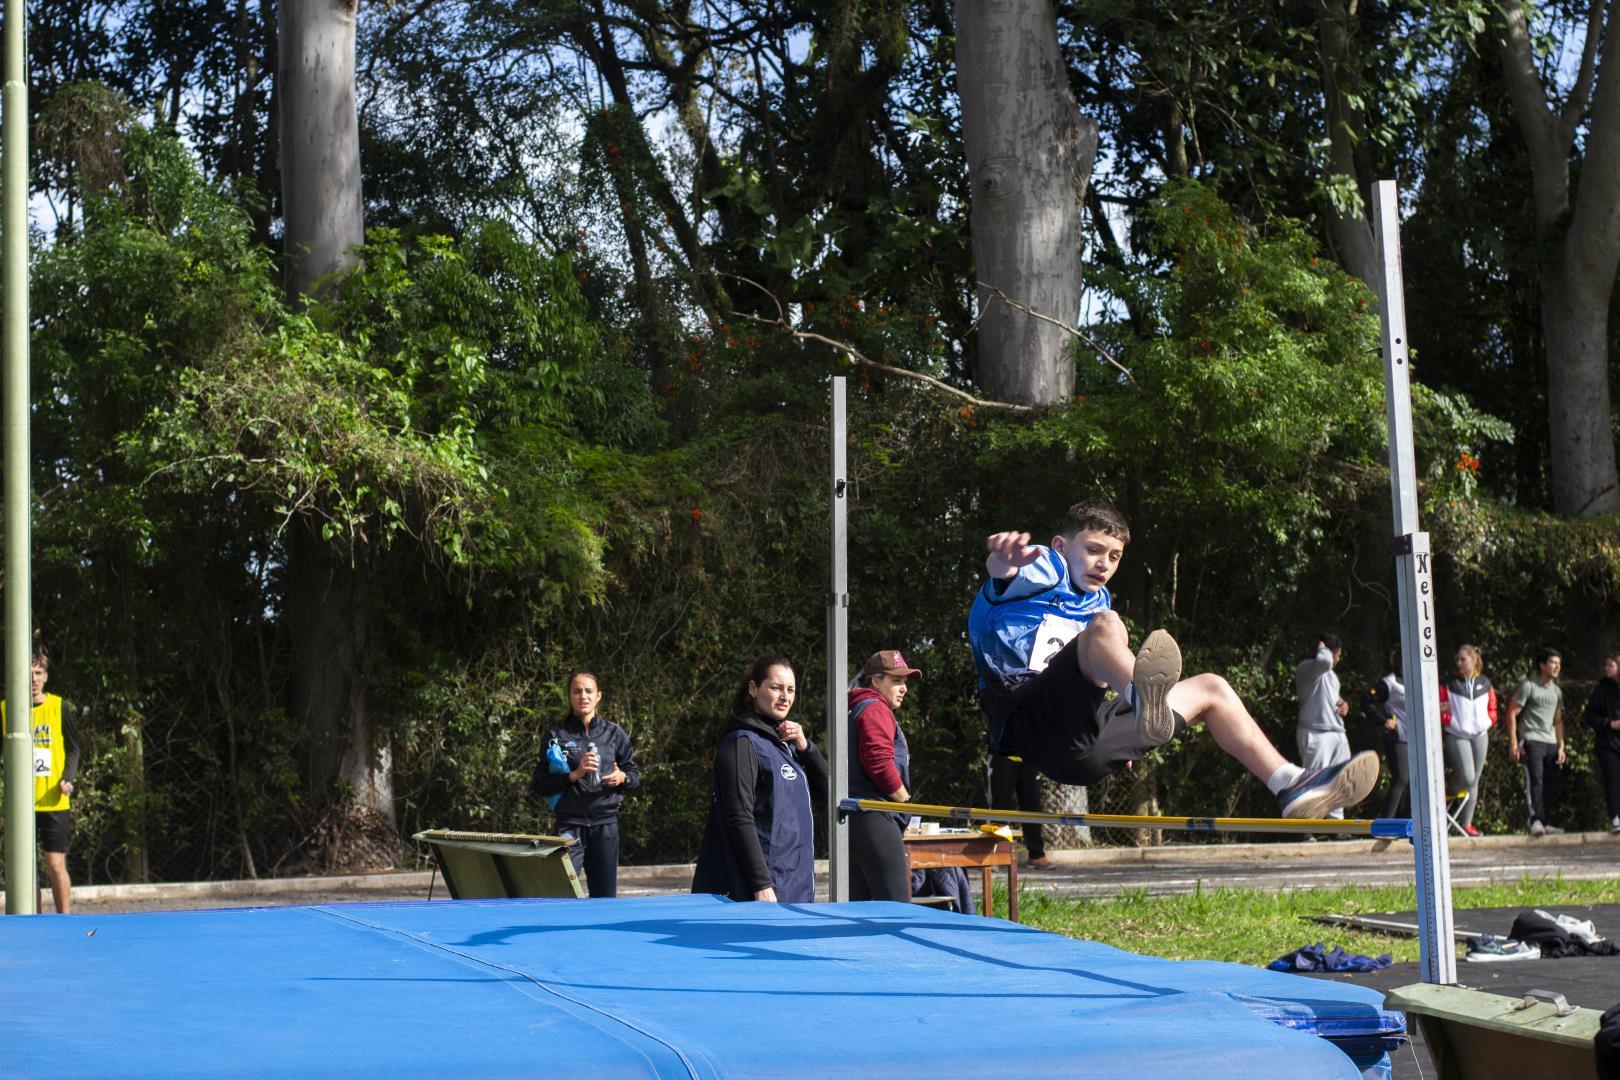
{"x": 1048, "y": 647}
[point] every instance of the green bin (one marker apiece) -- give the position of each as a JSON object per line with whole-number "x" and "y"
{"x": 1473, "y": 1035}
{"x": 486, "y": 866}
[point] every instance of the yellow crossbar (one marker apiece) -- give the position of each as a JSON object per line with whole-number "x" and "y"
{"x": 1387, "y": 828}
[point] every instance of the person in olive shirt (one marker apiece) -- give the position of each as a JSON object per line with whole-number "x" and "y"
{"x": 56, "y": 767}
{"x": 1535, "y": 730}
{"x": 585, "y": 789}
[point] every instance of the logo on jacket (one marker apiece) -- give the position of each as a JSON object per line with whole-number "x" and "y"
{"x": 788, "y": 772}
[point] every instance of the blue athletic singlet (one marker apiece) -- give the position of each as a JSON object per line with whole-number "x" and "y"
{"x": 1018, "y": 624}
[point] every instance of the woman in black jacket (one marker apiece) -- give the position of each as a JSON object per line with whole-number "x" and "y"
{"x": 758, "y": 843}
{"x": 1603, "y": 717}
{"x": 588, "y": 765}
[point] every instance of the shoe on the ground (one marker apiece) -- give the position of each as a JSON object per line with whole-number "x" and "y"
{"x": 1553, "y": 830}
{"x": 1157, "y": 670}
{"x": 1537, "y": 829}
{"x": 1488, "y": 948}
{"x": 1470, "y": 830}
{"x": 1042, "y": 863}
{"x": 1614, "y": 825}
{"x": 1321, "y": 791}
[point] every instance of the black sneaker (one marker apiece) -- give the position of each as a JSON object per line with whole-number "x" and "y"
{"x": 1322, "y": 791}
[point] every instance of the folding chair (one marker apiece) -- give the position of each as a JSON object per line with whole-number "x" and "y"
{"x": 1454, "y": 809}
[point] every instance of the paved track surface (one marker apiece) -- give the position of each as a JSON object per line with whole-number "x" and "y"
{"x": 1172, "y": 868}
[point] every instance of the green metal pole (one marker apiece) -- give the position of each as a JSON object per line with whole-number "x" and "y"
{"x": 21, "y": 883}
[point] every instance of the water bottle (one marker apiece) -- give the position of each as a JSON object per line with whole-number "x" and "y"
{"x": 592, "y": 781}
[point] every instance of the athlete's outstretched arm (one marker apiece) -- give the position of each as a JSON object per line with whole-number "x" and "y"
{"x": 1008, "y": 552}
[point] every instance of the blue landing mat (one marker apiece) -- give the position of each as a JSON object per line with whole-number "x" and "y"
{"x": 671, "y": 986}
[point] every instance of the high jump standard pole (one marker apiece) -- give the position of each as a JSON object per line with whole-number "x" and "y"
{"x": 21, "y": 898}
{"x": 1437, "y": 955}
{"x": 838, "y": 658}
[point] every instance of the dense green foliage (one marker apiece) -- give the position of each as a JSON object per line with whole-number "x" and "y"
{"x": 556, "y": 416}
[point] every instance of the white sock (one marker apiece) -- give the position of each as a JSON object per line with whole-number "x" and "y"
{"x": 1284, "y": 777}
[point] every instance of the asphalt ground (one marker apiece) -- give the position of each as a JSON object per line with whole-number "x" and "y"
{"x": 1591, "y": 982}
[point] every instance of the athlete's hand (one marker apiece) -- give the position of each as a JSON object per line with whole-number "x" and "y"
{"x": 767, "y": 894}
{"x": 67, "y": 786}
{"x": 614, "y": 778}
{"x": 1516, "y": 751}
{"x": 1009, "y": 551}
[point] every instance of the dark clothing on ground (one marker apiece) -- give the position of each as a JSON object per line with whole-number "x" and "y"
{"x": 1053, "y": 722}
{"x": 578, "y": 805}
{"x": 1542, "y": 774}
{"x": 877, "y": 857}
{"x": 595, "y": 853}
{"x": 1010, "y": 780}
{"x": 760, "y": 829}
{"x": 1553, "y": 940}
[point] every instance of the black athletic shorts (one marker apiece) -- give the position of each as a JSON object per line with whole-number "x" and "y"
{"x": 1054, "y": 722}
{"x": 52, "y": 828}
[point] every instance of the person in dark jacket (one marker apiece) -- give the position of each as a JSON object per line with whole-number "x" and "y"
{"x": 758, "y": 842}
{"x": 879, "y": 768}
{"x": 586, "y": 789}
{"x": 1603, "y": 717}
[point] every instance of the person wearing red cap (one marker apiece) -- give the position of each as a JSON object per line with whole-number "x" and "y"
{"x": 879, "y": 768}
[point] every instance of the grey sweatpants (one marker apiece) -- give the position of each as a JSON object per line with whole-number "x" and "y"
{"x": 1319, "y": 749}
{"x": 1465, "y": 756}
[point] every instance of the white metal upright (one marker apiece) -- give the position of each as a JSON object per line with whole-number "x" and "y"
{"x": 838, "y": 659}
{"x": 1419, "y": 653}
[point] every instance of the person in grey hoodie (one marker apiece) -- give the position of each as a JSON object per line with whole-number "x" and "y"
{"x": 1320, "y": 734}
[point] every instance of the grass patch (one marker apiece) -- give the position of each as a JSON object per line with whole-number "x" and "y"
{"x": 1250, "y": 926}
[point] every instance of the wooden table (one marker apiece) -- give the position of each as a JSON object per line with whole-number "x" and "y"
{"x": 967, "y": 848}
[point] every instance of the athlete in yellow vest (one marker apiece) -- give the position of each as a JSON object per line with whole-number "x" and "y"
{"x": 56, "y": 763}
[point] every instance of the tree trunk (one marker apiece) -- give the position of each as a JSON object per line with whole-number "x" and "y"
{"x": 1029, "y": 155}
{"x": 1347, "y": 149}
{"x": 333, "y": 621}
{"x": 331, "y": 612}
{"x": 1580, "y": 237}
{"x": 320, "y": 141}
{"x": 1059, "y": 798}
{"x": 1575, "y": 320}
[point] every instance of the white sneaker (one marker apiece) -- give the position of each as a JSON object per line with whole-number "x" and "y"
{"x": 1537, "y": 829}
{"x": 1489, "y": 949}
{"x": 1553, "y": 830}
{"x": 1614, "y": 825}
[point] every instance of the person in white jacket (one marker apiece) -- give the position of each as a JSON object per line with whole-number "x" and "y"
{"x": 1467, "y": 713}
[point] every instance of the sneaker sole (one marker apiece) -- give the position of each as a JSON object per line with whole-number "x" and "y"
{"x": 1354, "y": 783}
{"x": 1157, "y": 670}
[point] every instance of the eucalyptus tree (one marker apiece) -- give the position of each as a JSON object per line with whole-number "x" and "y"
{"x": 332, "y": 608}
{"x": 1571, "y": 128}
{"x": 1029, "y": 153}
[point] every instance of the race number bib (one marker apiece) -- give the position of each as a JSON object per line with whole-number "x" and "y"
{"x": 1054, "y": 632}
{"x": 42, "y": 761}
